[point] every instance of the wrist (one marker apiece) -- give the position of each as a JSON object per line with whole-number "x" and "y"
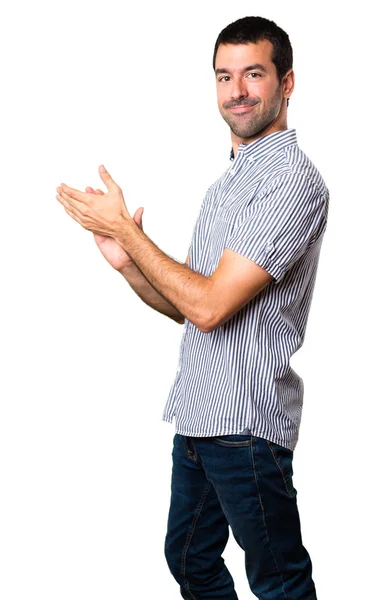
{"x": 123, "y": 227}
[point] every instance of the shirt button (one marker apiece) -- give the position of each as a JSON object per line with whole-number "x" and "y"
{"x": 232, "y": 172}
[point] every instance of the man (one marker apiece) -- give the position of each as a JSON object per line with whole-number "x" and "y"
{"x": 243, "y": 295}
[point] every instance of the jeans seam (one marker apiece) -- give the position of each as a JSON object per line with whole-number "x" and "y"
{"x": 189, "y": 537}
{"x": 264, "y": 520}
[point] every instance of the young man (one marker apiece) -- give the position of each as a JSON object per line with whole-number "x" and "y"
{"x": 243, "y": 295}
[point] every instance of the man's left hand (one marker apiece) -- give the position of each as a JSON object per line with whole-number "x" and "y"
{"x": 102, "y": 214}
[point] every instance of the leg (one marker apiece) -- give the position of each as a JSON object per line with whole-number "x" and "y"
{"x": 253, "y": 480}
{"x": 197, "y": 530}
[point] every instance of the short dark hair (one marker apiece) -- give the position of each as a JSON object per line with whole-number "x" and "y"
{"x": 253, "y": 29}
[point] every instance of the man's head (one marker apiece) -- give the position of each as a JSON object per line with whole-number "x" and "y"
{"x": 253, "y": 61}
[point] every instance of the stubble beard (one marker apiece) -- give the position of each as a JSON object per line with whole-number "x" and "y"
{"x": 248, "y": 126}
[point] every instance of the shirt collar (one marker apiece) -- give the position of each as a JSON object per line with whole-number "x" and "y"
{"x": 274, "y": 142}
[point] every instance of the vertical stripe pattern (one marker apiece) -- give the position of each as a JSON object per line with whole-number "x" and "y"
{"x": 270, "y": 206}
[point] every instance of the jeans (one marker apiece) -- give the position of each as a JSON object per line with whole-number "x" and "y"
{"x": 246, "y": 482}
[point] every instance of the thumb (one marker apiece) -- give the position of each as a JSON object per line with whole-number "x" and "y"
{"x": 138, "y": 217}
{"x": 107, "y": 179}
{"x": 91, "y": 190}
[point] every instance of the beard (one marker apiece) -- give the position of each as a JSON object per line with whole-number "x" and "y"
{"x": 251, "y": 123}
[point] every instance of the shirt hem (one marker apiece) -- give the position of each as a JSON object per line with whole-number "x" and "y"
{"x": 271, "y": 438}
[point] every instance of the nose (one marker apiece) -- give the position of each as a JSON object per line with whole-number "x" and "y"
{"x": 239, "y": 89}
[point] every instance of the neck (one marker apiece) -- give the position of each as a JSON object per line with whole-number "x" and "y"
{"x": 278, "y": 124}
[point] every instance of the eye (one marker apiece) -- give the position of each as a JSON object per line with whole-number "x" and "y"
{"x": 254, "y": 75}
{"x": 224, "y": 78}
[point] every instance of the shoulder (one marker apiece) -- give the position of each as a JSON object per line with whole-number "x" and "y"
{"x": 295, "y": 174}
{"x": 300, "y": 165}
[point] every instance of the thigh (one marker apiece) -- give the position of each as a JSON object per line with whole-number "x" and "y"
{"x": 253, "y": 479}
{"x": 229, "y": 464}
{"x": 197, "y": 529}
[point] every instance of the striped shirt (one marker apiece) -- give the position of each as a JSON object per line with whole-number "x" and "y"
{"x": 271, "y": 207}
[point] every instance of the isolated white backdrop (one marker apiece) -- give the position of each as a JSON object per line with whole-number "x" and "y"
{"x": 85, "y": 459}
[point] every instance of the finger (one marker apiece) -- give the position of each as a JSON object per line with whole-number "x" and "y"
{"x": 73, "y": 193}
{"x": 68, "y": 201}
{"x": 91, "y": 190}
{"x": 73, "y": 216}
{"x": 71, "y": 211}
{"x": 107, "y": 179}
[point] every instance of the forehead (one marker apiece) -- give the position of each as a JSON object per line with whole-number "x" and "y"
{"x": 234, "y": 57}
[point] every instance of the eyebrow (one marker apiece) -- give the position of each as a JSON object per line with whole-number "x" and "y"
{"x": 255, "y": 67}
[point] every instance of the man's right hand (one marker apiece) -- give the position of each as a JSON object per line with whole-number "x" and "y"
{"x": 112, "y": 252}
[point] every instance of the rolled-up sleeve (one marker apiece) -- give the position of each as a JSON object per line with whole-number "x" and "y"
{"x": 279, "y": 225}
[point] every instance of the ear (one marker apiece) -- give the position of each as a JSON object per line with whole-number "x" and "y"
{"x": 288, "y": 82}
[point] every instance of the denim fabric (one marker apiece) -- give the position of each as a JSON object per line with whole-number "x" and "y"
{"x": 246, "y": 482}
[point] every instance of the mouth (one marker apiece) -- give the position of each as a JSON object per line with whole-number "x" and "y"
{"x": 242, "y": 108}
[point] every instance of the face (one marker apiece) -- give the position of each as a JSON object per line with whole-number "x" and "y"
{"x": 250, "y": 98}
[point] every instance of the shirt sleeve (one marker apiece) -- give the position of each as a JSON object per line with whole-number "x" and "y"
{"x": 277, "y": 227}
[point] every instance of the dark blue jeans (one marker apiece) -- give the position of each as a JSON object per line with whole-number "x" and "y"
{"x": 246, "y": 482}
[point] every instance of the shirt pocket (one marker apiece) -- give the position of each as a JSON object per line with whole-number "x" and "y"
{"x": 220, "y": 234}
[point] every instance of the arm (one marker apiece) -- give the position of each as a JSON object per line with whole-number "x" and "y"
{"x": 148, "y": 293}
{"x": 172, "y": 288}
{"x": 123, "y": 263}
{"x": 207, "y": 302}
{"x": 249, "y": 262}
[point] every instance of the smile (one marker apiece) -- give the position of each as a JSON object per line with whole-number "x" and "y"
{"x": 238, "y": 109}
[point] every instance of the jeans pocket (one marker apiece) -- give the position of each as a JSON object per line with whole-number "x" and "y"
{"x": 283, "y": 458}
{"x": 233, "y": 440}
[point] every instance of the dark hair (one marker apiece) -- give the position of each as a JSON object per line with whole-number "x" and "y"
{"x": 253, "y": 29}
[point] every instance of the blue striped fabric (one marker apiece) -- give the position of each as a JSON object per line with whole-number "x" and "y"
{"x": 270, "y": 206}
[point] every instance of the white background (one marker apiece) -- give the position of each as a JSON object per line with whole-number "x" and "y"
{"x": 86, "y": 367}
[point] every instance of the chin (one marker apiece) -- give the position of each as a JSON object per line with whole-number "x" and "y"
{"x": 246, "y": 134}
